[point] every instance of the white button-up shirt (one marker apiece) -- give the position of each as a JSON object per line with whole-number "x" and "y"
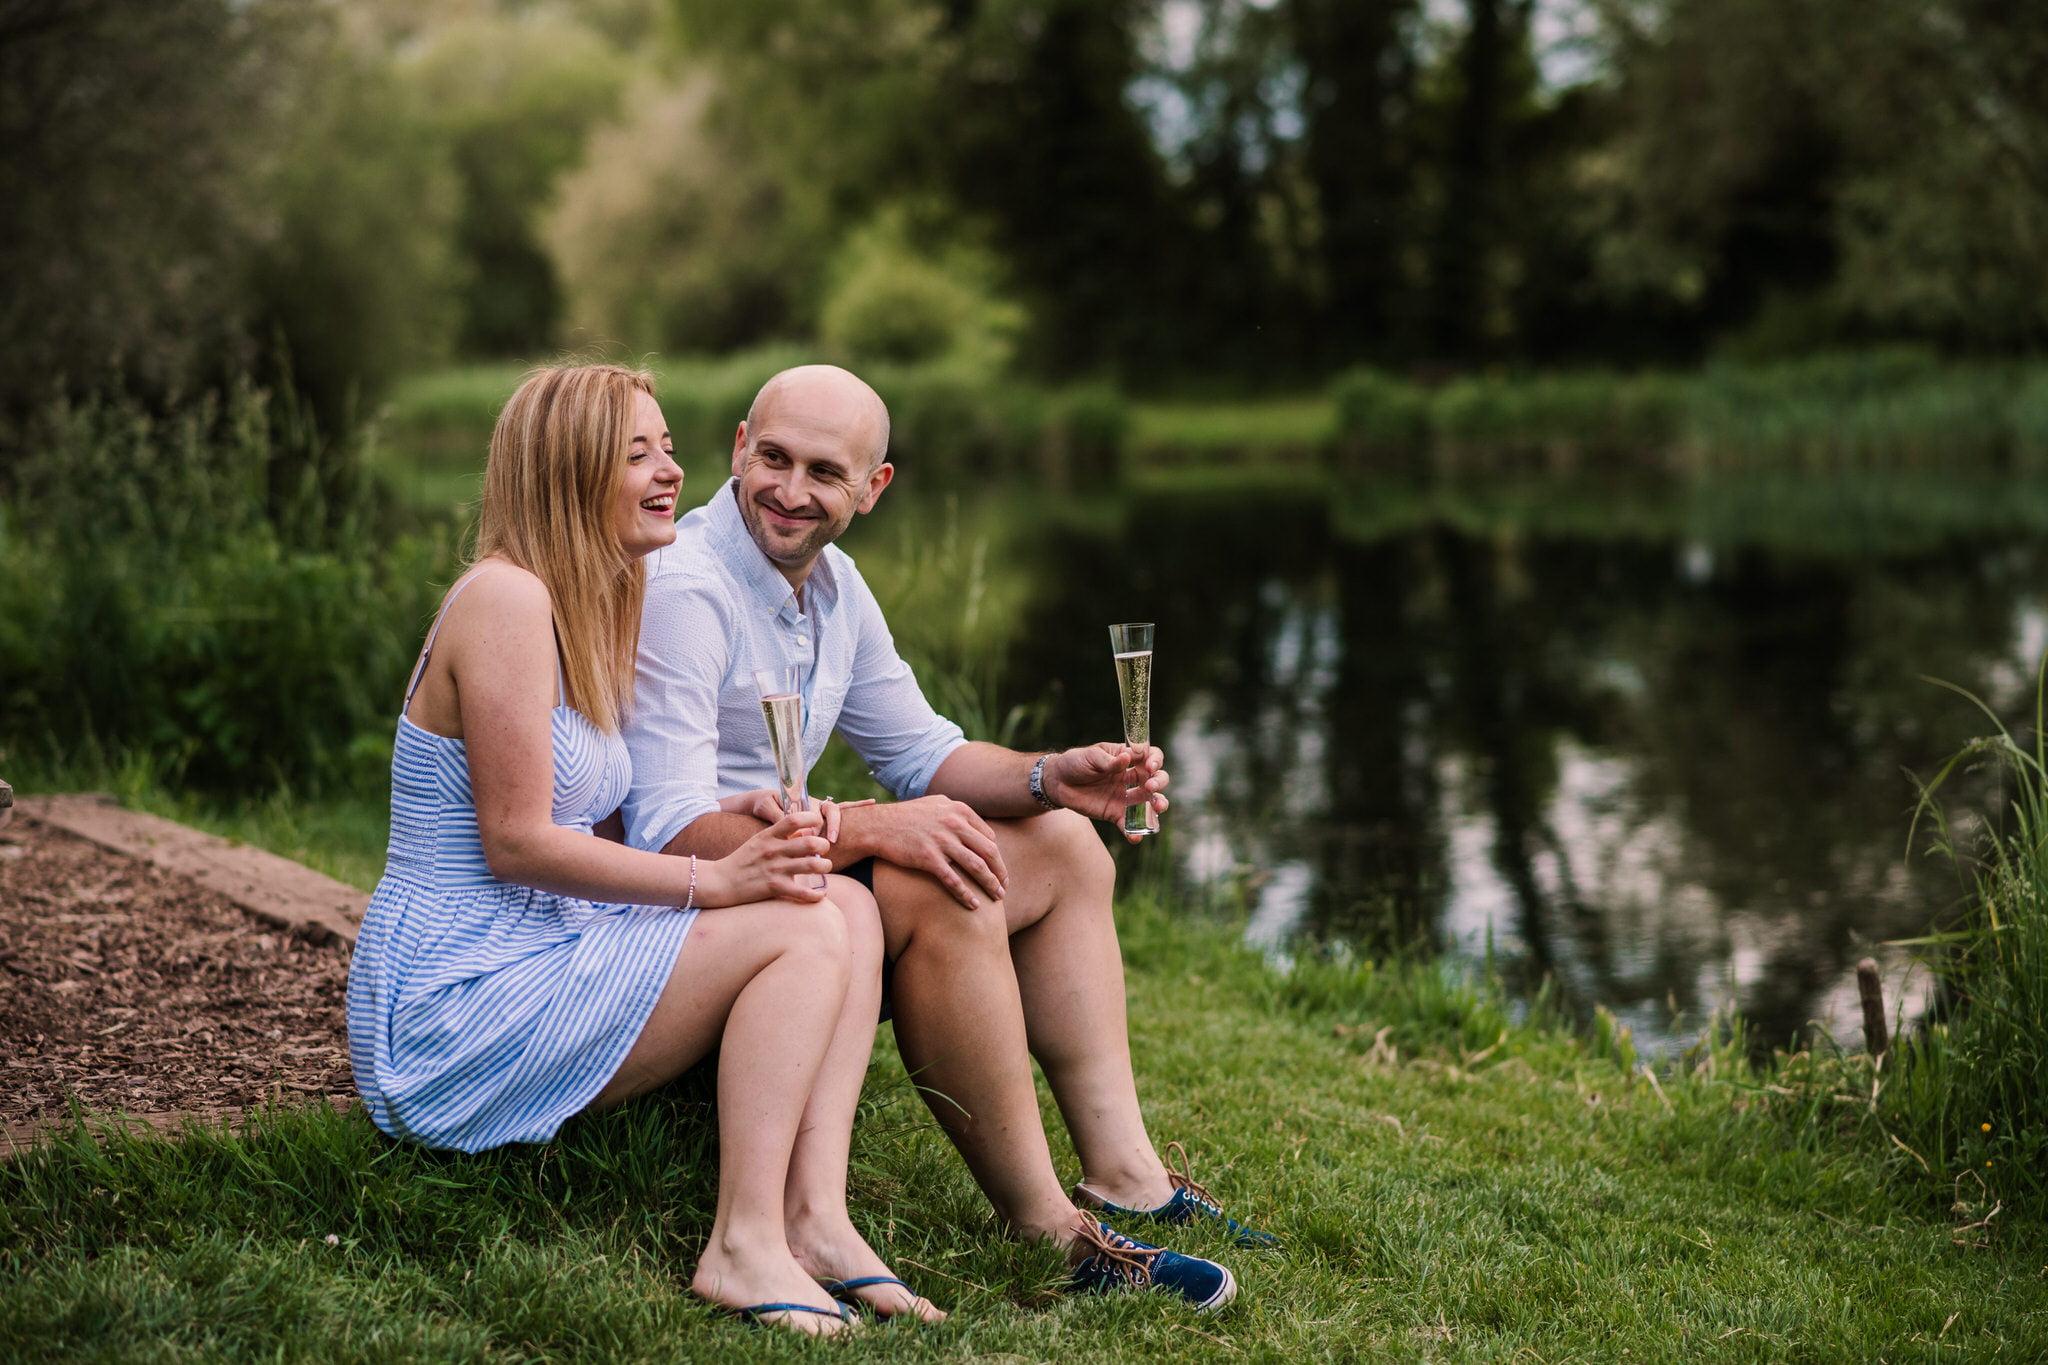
{"x": 716, "y": 610}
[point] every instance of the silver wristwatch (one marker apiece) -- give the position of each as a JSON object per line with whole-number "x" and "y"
{"x": 1038, "y": 784}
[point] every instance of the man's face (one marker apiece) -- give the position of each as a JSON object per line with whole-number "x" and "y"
{"x": 805, "y": 466}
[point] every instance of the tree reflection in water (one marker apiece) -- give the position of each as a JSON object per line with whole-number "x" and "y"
{"x": 1657, "y": 757}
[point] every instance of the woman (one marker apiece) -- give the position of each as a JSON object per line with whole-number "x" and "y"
{"x": 514, "y": 969}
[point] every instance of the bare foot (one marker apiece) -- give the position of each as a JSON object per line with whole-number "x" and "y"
{"x": 828, "y": 1248}
{"x": 743, "y": 1277}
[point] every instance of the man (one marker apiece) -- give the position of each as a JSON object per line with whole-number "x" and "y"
{"x": 994, "y": 889}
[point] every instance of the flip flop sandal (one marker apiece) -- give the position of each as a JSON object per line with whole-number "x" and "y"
{"x": 843, "y": 1290}
{"x": 752, "y": 1316}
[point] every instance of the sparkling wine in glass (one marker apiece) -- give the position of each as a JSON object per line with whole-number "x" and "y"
{"x": 782, "y": 707}
{"x": 1131, "y": 643}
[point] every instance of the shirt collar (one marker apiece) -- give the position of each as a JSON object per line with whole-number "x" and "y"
{"x": 726, "y": 531}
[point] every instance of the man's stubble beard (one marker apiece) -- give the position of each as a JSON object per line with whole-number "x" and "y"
{"x": 809, "y": 548}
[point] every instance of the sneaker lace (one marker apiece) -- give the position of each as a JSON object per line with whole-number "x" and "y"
{"x": 1182, "y": 1178}
{"x": 1121, "y": 1256}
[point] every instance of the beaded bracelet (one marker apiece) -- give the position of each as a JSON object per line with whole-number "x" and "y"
{"x": 690, "y": 897}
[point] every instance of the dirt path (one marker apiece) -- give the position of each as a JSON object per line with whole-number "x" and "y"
{"x": 138, "y": 991}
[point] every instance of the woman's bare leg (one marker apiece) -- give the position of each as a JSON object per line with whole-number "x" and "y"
{"x": 820, "y": 1232}
{"x": 766, "y": 984}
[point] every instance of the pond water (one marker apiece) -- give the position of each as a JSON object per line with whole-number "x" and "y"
{"x": 1652, "y": 744}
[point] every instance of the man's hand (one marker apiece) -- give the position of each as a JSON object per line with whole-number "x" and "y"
{"x": 1100, "y": 780}
{"x": 943, "y": 837}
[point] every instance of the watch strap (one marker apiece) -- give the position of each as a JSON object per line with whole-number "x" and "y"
{"x": 1038, "y": 784}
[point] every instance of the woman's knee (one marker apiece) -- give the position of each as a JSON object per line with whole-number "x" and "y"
{"x": 814, "y": 927}
{"x": 861, "y": 918}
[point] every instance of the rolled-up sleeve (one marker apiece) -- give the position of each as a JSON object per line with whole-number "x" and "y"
{"x": 885, "y": 716}
{"x": 672, "y": 730}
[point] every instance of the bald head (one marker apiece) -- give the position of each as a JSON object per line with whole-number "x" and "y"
{"x": 825, "y": 396}
{"x": 811, "y": 456}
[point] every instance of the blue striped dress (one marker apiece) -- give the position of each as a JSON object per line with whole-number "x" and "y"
{"x": 481, "y": 1012}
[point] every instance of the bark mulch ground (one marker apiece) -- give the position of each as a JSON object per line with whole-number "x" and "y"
{"x": 136, "y": 991}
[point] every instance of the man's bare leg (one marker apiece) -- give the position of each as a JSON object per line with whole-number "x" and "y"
{"x": 960, "y": 1026}
{"x": 1040, "y": 972}
{"x": 1070, "y": 977}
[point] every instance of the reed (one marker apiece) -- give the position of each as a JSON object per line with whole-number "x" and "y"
{"x": 1969, "y": 1093}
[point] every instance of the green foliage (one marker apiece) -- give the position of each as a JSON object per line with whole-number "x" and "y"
{"x": 359, "y": 280}
{"x": 2030, "y": 423}
{"x": 195, "y": 587}
{"x": 1381, "y": 420}
{"x": 127, "y": 128}
{"x": 1970, "y": 1093}
{"x": 1832, "y": 168}
{"x": 669, "y": 235}
{"x": 896, "y": 305}
{"x": 515, "y": 95}
{"x": 1885, "y": 408}
{"x": 1092, "y": 425}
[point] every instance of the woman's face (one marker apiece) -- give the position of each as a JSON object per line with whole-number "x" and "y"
{"x": 647, "y": 499}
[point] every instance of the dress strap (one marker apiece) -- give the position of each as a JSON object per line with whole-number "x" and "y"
{"x": 412, "y": 684}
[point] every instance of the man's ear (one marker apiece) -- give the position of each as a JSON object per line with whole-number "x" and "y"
{"x": 739, "y": 449}
{"x": 877, "y": 481}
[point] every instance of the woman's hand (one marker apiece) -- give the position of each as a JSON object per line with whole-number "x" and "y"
{"x": 765, "y": 803}
{"x": 782, "y": 862}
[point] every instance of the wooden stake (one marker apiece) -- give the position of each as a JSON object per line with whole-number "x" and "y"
{"x": 1871, "y": 987}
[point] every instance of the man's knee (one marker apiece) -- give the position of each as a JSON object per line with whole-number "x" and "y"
{"x": 1070, "y": 839}
{"x": 916, "y": 907}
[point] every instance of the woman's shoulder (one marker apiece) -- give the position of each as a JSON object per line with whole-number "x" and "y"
{"x": 498, "y": 587}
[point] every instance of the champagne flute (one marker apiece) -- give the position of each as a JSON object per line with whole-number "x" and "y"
{"x": 1131, "y": 643}
{"x": 782, "y": 707}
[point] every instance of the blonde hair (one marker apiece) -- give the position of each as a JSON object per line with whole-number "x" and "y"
{"x": 557, "y": 462}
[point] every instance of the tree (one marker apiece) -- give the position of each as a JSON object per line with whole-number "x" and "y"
{"x": 355, "y": 276}
{"x": 515, "y": 96}
{"x": 1800, "y": 174}
{"x": 1358, "y": 111}
{"x": 126, "y": 127}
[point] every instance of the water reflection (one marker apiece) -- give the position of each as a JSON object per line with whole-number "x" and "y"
{"x": 1665, "y": 768}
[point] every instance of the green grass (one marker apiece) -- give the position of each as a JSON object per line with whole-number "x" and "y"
{"x": 1268, "y": 428}
{"x": 1970, "y": 1093}
{"x": 1445, "y": 1202}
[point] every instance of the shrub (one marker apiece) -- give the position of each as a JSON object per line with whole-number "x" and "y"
{"x": 1380, "y": 420}
{"x": 2030, "y": 423}
{"x": 1093, "y": 427}
{"x": 217, "y": 589}
{"x": 892, "y": 303}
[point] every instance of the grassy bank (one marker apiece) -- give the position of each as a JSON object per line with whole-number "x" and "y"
{"x": 1892, "y": 410}
{"x": 1451, "y": 1185}
{"x": 1881, "y": 409}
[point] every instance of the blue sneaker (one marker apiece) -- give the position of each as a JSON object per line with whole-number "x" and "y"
{"x": 1117, "y": 1262}
{"x": 1190, "y": 1202}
